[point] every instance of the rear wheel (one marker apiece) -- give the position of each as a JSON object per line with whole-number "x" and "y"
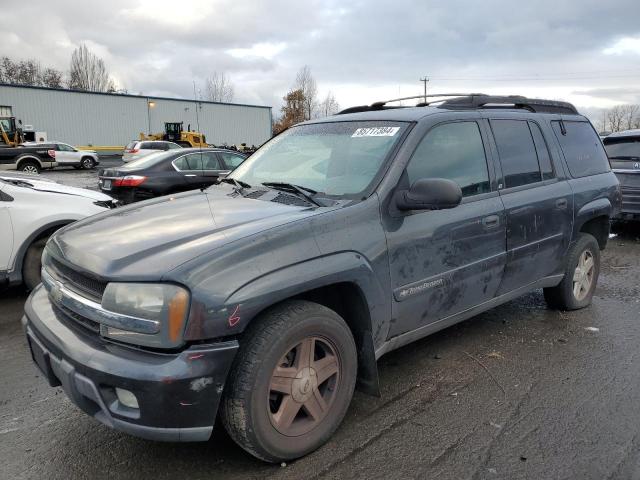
{"x": 32, "y": 264}
{"x": 580, "y": 278}
{"x": 87, "y": 163}
{"x": 291, "y": 383}
{"x": 29, "y": 166}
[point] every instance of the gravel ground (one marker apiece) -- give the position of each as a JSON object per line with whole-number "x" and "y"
{"x": 518, "y": 392}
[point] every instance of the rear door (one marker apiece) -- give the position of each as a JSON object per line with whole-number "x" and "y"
{"x": 538, "y": 203}
{"x": 231, "y": 160}
{"x": 6, "y": 232}
{"x": 443, "y": 262}
{"x": 67, "y": 155}
{"x": 624, "y": 156}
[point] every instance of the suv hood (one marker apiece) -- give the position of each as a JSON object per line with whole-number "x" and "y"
{"x": 145, "y": 241}
{"x": 35, "y": 183}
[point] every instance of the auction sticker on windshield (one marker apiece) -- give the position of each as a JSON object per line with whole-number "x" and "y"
{"x": 375, "y": 132}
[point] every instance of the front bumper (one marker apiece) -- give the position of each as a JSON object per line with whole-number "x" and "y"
{"x": 178, "y": 393}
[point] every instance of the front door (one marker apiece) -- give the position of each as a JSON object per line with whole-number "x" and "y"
{"x": 538, "y": 203}
{"x": 444, "y": 262}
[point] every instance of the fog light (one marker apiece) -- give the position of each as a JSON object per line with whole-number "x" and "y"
{"x": 127, "y": 398}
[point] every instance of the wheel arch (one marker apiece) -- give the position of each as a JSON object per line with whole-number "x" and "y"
{"x": 27, "y": 157}
{"x": 343, "y": 282}
{"x": 42, "y": 232}
{"x": 595, "y": 218}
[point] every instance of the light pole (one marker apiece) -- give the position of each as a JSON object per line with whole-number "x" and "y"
{"x": 150, "y": 105}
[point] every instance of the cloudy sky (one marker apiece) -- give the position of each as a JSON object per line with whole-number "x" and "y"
{"x": 584, "y": 51}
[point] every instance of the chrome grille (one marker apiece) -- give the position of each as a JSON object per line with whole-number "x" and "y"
{"x": 76, "y": 281}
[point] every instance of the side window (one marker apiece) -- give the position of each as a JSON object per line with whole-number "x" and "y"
{"x": 210, "y": 161}
{"x": 544, "y": 158}
{"x": 65, "y": 148}
{"x": 582, "y": 148}
{"x": 232, "y": 161}
{"x": 454, "y": 151}
{"x": 173, "y": 146}
{"x": 146, "y": 146}
{"x": 517, "y": 152}
{"x": 193, "y": 161}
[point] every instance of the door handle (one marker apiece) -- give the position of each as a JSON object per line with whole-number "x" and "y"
{"x": 491, "y": 221}
{"x": 190, "y": 175}
{"x": 561, "y": 203}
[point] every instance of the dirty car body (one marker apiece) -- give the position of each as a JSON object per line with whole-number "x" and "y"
{"x": 394, "y": 274}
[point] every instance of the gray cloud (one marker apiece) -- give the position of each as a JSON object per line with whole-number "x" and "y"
{"x": 358, "y": 49}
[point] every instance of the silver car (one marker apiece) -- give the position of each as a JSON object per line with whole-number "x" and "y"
{"x": 140, "y": 148}
{"x": 66, "y": 155}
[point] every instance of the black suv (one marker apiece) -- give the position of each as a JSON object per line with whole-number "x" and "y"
{"x": 272, "y": 294}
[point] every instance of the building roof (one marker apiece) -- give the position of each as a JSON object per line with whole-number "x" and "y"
{"x": 147, "y": 97}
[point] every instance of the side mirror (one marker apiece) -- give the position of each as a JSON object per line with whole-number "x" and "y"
{"x": 430, "y": 194}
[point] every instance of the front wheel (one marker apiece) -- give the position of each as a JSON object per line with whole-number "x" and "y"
{"x": 291, "y": 383}
{"x": 582, "y": 269}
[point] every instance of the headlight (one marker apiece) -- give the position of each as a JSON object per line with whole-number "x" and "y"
{"x": 165, "y": 304}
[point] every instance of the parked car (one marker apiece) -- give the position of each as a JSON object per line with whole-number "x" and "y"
{"x": 67, "y": 156}
{"x": 28, "y": 159}
{"x": 138, "y": 149}
{"x": 167, "y": 172}
{"x": 31, "y": 209}
{"x": 273, "y": 293}
{"x": 623, "y": 149}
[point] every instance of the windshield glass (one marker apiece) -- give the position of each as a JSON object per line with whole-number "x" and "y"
{"x": 341, "y": 158}
{"x": 629, "y": 147}
{"x": 147, "y": 161}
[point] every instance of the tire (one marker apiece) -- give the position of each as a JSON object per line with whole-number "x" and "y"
{"x": 87, "y": 163}
{"x": 254, "y": 414}
{"x": 567, "y": 295}
{"x": 32, "y": 264}
{"x": 29, "y": 166}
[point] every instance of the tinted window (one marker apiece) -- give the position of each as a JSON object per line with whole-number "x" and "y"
{"x": 582, "y": 148}
{"x": 210, "y": 161}
{"x": 193, "y": 161}
{"x": 146, "y": 161}
{"x": 147, "y": 146}
{"x": 173, "y": 146}
{"x": 517, "y": 152}
{"x": 454, "y": 151}
{"x": 623, "y": 148}
{"x": 231, "y": 160}
{"x": 544, "y": 159}
{"x": 66, "y": 148}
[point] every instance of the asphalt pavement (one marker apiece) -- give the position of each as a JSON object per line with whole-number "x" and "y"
{"x": 518, "y": 392}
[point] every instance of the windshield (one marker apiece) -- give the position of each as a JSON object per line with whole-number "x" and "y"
{"x": 629, "y": 147}
{"x": 341, "y": 158}
{"x": 147, "y": 161}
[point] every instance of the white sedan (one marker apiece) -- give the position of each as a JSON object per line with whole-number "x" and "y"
{"x": 31, "y": 209}
{"x": 67, "y": 156}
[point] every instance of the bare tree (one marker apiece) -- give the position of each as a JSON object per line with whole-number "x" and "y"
{"x": 615, "y": 118}
{"x": 328, "y": 106}
{"x": 88, "y": 71}
{"x": 307, "y": 85}
{"x": 50, "y": 77}
{"x": 219, "y": 88}
{"x": 629, "y": 115}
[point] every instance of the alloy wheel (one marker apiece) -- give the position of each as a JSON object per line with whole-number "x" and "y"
{"x": 583, "y": 275}
{"x": 303, "y": 386}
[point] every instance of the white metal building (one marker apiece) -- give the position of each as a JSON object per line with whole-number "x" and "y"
{"x": 105, "y": 119}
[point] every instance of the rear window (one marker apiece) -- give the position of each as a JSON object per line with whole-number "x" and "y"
{"x": 624, "y": 148}
{"x": 147, "y": 146}
{"x": 582, "y": 148}
{"x": 147, "y": 161}
{"x": 130, "y": 146}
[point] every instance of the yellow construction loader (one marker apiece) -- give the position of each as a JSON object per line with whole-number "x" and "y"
{"x": 9, "y": 134}
{"x": 173, "y": 132}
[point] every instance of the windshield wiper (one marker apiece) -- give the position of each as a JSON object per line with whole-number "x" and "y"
{"x": 305, "y": 192}
{"x": 233, "y": 181}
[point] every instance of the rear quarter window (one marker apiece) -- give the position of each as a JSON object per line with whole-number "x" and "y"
{"x": 582, "y": 148}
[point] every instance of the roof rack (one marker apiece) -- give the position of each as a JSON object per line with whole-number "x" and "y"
{"x": 474, "y": 101}
{"x": 510, "y": 101}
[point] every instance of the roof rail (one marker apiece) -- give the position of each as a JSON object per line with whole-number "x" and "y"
{"x": 474, "y": 100}
{"x": 514, "y": 101}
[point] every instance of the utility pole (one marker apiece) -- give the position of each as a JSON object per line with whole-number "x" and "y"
{"x": 425, "y": 80}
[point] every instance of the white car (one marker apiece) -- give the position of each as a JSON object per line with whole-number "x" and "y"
{"x": 67, "y": 156}
{"x": 31, "y": 209}
{"x": 140, "y": 148}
